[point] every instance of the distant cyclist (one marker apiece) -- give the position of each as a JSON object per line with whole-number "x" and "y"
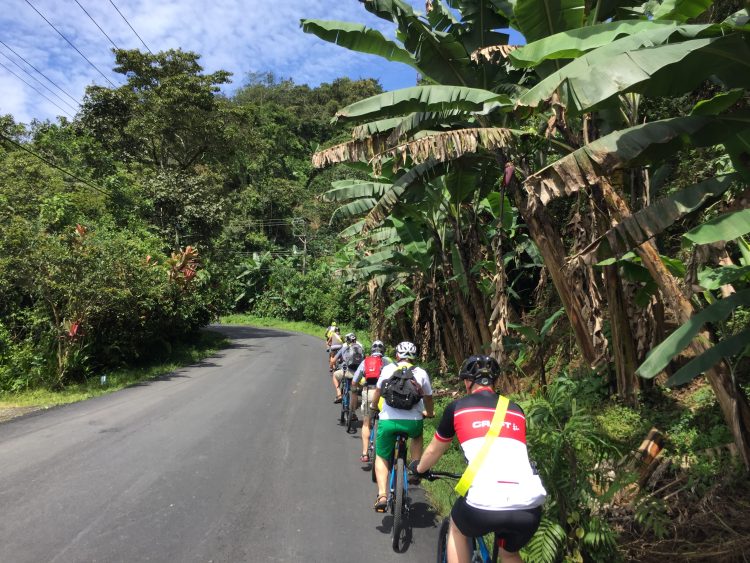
{"x": 394, "y": 420}
{"x": 351, "y": 355}
{"x": 506, "y": 495}
{"x": 333, "y": 339}
{"x": 367, "y": 375}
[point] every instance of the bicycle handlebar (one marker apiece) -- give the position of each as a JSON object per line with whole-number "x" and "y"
{"x": 435, "y": 475}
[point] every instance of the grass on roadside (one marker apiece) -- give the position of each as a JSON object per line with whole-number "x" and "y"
{"x": 181, "y": 354}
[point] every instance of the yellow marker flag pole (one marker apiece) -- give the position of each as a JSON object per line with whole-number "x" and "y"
{"x": 467, "y": 478}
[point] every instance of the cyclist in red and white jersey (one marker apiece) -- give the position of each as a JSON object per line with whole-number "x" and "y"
{"x": 506, "y": 495}
{"x": 367, "y": 375}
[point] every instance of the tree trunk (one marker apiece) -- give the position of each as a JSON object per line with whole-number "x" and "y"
{"x": 585, "y": 323}
{"x": 622, "y": 338}
{"x": 733, "y": 403}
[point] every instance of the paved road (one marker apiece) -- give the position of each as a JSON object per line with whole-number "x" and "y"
{"x": 238, "y": 458}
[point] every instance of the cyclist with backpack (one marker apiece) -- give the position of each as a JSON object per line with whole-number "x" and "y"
{"x": 368, "y": 373}
{"x": 407, "y": 395}
{"x": 351, "y": 355}
{"x": 333, "y": 339}
{"x": 501, "y": 491}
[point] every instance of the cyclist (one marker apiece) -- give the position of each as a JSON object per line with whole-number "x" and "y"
{"x": 506, "y": 495}
{"x": 394, "y": 421}
{"x": 333, "y": 339}
{"x": 367, "y": 374}
{"x": 351, "y": 355}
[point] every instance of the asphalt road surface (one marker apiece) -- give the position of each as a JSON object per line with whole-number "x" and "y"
{"x": 238, "y": 458}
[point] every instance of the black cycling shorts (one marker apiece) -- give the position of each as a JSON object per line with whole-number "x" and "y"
{"x": 513, "y": 527}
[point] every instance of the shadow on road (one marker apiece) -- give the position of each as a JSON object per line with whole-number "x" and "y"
{"x": 239, "y": 332}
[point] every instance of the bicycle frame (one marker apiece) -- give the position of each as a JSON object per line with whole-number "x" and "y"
{"x": 399, "y": 451}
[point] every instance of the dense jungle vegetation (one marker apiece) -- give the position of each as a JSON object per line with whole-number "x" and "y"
{"x": 577, "y": 207}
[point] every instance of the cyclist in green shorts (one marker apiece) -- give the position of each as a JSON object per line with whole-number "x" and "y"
{"x": 394, "y": 420}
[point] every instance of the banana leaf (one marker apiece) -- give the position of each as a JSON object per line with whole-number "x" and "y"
{"x": 681, "y": 10}
{"x": 660, "y": 356}
{"x": 725, "y": 227}
{"x": 573, "y": 43}
{"x": 657, "y": 217}
{"x": 422, "y": 99}
{"x": 536, "y": 19}
{"x": 642, "y": 144}
{"x": 351, "y": 189}
{"x": 713, "y": 278}
{"x": 633, "y": 64}
{"x": 360, "y": 38}
{"x": 726, "y": 348}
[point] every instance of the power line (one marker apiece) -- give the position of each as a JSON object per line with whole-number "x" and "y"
{"x": 66, "y": 112}
{"x": 96, "y": 24}
{"x": 39, "y": 71}
{"x": 53, "y": 165}
{"x": 130, "y": 26}
{"x": 71, "y": 44}
{"x": 42, "y": 84}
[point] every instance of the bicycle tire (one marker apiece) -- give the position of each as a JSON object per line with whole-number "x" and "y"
{"x": 398, "y": 507}
{"x": 442, "y": 548}
{"x": 350, "y": 423}
{"x": 372, "y": 452}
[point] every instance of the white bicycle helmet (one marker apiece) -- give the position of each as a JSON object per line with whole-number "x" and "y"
{"x": 350, "y": 338}
{"x": 377, "y": 348}
{"x": 406, "y": 351}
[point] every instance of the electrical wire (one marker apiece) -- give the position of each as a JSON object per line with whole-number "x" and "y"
{"x": 96, "y": 24}
{"x": 130, "y": 26}
{"x": 66, "y": 112}
{"x": 39, "y": 71}
{"x": 42, "y": 84}
{"x": 71, "y": 44}
{"x": 53, "y": 165}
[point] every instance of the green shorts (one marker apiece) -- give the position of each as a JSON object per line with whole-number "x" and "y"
{"x": 387, "y": 430}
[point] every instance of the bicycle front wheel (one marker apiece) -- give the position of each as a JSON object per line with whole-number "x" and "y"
{"x": 398, "y": 506}
{"x": 442, "y": 549}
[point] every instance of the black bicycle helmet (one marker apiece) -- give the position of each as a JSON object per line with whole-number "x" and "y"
{"x": 481, "y": 369}
{"x": 377, "y": 348}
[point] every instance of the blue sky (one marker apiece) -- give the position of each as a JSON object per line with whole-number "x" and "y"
{"x": 240, "y": 36}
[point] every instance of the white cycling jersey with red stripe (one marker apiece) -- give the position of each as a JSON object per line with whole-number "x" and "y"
{"x": 506, "y": 479}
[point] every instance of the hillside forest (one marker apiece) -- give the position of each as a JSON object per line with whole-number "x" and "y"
{"x": 577, "y": 206}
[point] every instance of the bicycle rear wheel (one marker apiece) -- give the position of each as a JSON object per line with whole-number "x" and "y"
{"x": 442, "y": 549}
{"x": 398, "y": 507}
{"x": 371, "y": 451}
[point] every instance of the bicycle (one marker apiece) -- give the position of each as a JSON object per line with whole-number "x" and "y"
{"x": 398, "y": 489}
{"x": 347, "y": 417}
{"x": 371, "y": 445}
{"x": 480, "y": 553}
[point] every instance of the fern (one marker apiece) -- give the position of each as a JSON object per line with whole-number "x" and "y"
{"x": 546, "y": 544}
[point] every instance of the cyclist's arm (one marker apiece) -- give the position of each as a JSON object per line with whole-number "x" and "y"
{"x": 375, "y": 399}
{"x": 339, "y": 353}
{"x": 429, "y": 406}
{"x": 432, "y": 454}
{"x": 358, "y": 373}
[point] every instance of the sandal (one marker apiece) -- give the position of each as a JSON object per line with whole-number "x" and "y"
{"x": 381, "y": 503}
{"x": 337, "y": 400}
{"x": 364, "y": 458}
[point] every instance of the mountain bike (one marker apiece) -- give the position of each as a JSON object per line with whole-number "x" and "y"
{"x": 480, "y": 553}
{"x": 398, "y": 489}
{"x": 347, "y": 417}
{"x": 373, "y": 441}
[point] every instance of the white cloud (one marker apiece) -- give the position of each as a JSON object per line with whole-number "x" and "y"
{"x": 240, "y": 36}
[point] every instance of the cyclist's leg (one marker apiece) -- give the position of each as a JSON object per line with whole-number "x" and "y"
{"x": 336, "y": 380}
{"x": 417, "y": 441}
{"x": 365, "y": 422}
{"x": 459, "y": 546}
{"x": 353, "y": 390}
{"x": 384, "y": 446}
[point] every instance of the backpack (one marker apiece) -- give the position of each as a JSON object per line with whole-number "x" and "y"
{"x": 401, "y": 390}
{"x": 373, "y": 365}
{"x": 354, "y": 355}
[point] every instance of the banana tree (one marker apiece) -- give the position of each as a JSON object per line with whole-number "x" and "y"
{"x": 581, "y": 68}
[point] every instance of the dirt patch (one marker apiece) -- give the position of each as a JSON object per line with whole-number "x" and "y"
{"x": 8, "y": 413}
